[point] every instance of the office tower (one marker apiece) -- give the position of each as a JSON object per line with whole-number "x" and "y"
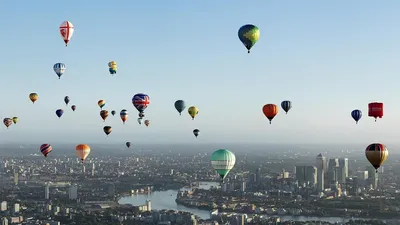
{"x": 16, "y": 207}
{"x": 3, "y": 206}
{"x": 16, "y": 178}
{"x": 46, "y": 192}
{"x": 306, "y": 175}
{"x": 148, "y": 204}
{"x": 332, "y": 170}
{"x": 372, "y": 177}
{"x": 93, "y": 167}
{"x": 243, "y": 187}
{"x": 258, "y": 176}
{"x": 343, "y": 172}
{"x": 73, "y": 192}
{"x": 171, "y": 172}
{"x": 83, "y": 169}
{"x": 321, "y": 170}
{"x": 362, "y": 177}
{"x": 4, "y": 221}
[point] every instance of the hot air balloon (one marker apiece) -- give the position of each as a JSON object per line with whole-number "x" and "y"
{"x": 82, "y": 151}
{"x": 249, "y": 35}
{"x": 113, "y": 112}
{"x": 180, "y": 105}
{"x": 141, "y": 115}
{"x": 45, "y": 149}
{"x": 112, "y": 67}
{"x": 66, "y": 100}
{"x": 107, "y": 130}
{"x": 375, "y": 109}
{"x": 73, "y": 107}
{"x": 59, "y": 112}
{"x": 270, "y": 111}
{"x": 193, "y": 111}
{"x": 7, "y": 122}
{"x": 286, "y": 106}
{"x": 66, "y": 31}
{"x": 59, "y": 69}
{"x": 356, "y": 114}
{"x": 196, "y": 132}
{"x": 15, "y": 119}
{"x": 147, "y": 123}
{"x": 141, "y": 101}
{"x": 139, "y": 120}
{"x": 376, "y": 154}
{"x": 104, "y": 114}
{"x": 33, "y": 97}
{"x": 101, "y": 103}
{"x": 128, "y": 144}
{"x": 223, "y": 161}
{"x": 124, "y": 115}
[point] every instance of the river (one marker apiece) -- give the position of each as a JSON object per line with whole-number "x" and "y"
{"x": 166, "y": 200}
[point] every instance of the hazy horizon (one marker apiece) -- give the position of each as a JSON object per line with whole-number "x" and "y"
{"x": 328, "y": 58}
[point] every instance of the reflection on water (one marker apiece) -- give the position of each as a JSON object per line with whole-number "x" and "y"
{"x": 166, "y": 200}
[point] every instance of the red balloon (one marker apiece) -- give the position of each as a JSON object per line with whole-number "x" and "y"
{"x": 375, "y": 109}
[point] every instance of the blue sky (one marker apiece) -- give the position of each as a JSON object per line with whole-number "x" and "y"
{"x": 328, "y": 58}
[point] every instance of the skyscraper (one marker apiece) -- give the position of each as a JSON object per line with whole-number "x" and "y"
{"x": 306, "y": 175}
{"x": 321, "y": 170}
{"x": 73, "y": 192}
{"x": 332, "y": 170}
{"x": 343, "y": 171}
{"x": 46, "y": 192}
{"x": 258, "y": 176}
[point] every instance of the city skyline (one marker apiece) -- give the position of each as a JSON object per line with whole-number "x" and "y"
{"x": 322, "y": 56}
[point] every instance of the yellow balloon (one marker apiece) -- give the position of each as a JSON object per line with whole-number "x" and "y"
{"x": 15, "y": 119}
{"x": 193, "y": 111}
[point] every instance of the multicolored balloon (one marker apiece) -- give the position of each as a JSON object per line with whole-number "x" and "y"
{"x": 107, "y": 130}
{"x": 59, "y": 69}
{"x": 193, "y": 111}
{"x": 356, "y": 114}
{"x": 286, "y": 106}
{"x": 59, "y": 112}
{"x": 15, "y": 119}
{"x": 104, "y": 115}
{"x": 141, "y": 101}
{"x": 223, "y": 161}
{"x": 101, "y": 103}
{"x": 376, "y": 154}
{"x": 45, "y": 149}
{"x": 180, "y": 105}
{"x": 66, "y": 31}
{"x": 270, "y": 111}
{"x": 112, "y": 67}
{"x": 124, "y": 115}
{"x": 66, "y": 100}
{"x": 249, "y": 35}
{"x": 196, "y": 132}
{"x": 147, "y": 123}
{"x": 7, "y": 122}
{"x": 33, "y": 97}
{"x": 73, "y": 107}
{"x": 82, "y": 151}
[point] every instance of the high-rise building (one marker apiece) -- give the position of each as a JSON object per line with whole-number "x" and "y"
{"x": 46, "y": 192}
{"x": 332, "y": 170}
{"x": 73, "y": 192}
{"x": 4, "y": 221}
{"x": 372, "y": 177}
{"x": 16, "y": 208}
{"x": 343, "y": 171}
{"x": 16, "y": 178}
{"x": 258, "y": 176}
{"x": 306, "y": 175}
{"x": 93, "y": 169}
{"x": 321, "y": 170}
{"x": 148, "y": 204}
{"x": 243, "y": 187}
{"x": 3, "y": 206}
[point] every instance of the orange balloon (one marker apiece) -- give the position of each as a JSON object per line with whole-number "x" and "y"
{"x": 270, "y": 111}
{"x": 82, "y": 151}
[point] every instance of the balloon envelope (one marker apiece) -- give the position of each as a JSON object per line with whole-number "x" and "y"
{"x": 249, "y": 35}
{"x": 45, "y": 149}
{"x": 376, "y": 154}
{"x": 82, "y": 151}
{"x": 223, "y": 161}
{"x": 180, "y": 105}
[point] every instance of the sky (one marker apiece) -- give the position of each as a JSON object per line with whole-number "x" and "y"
{"x": 328, "y": 58}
